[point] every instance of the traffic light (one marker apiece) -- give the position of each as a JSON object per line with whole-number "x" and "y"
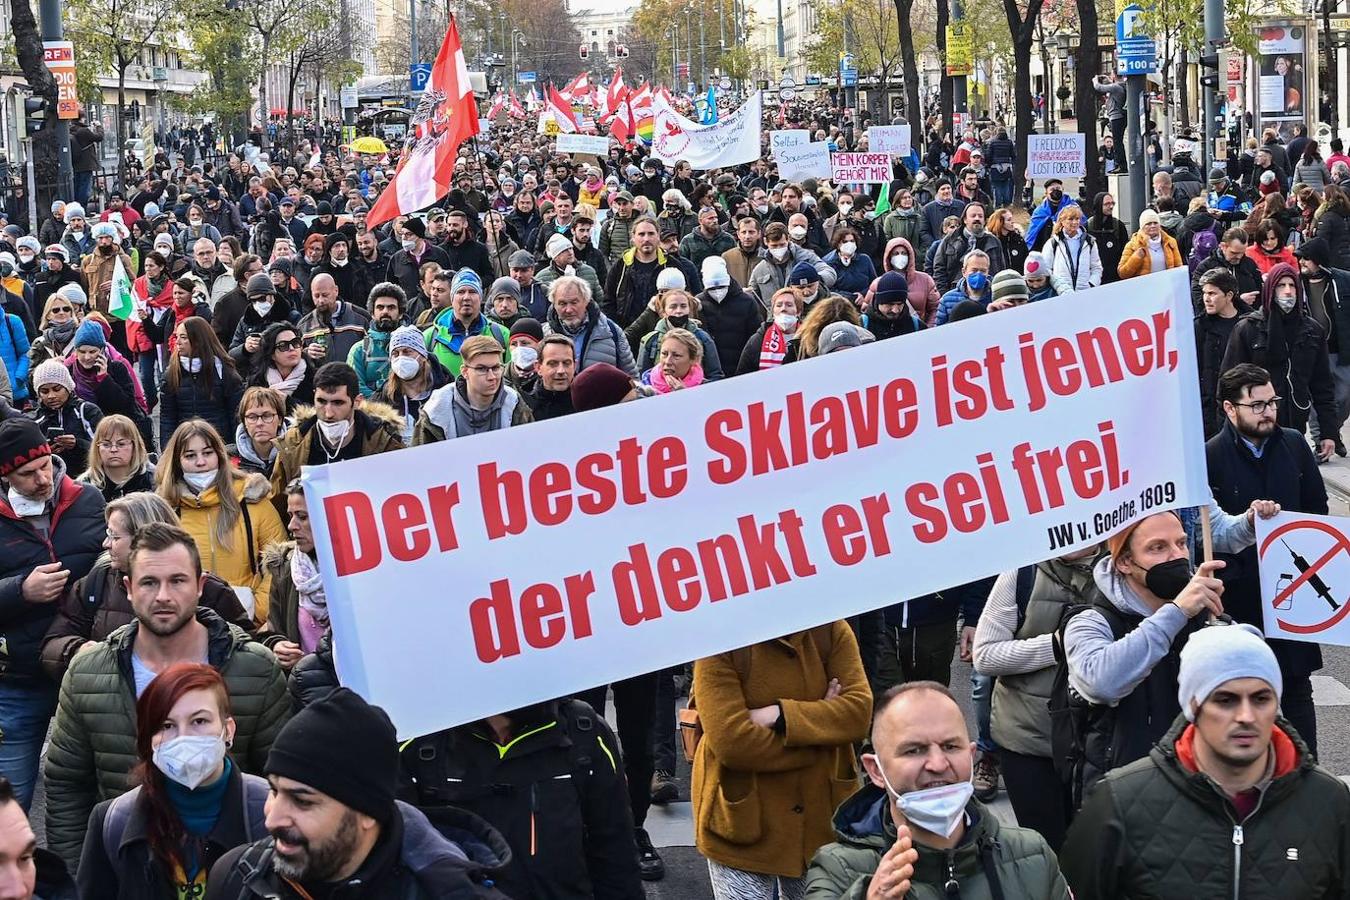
{"x": 34, "y": 114}
{"x": 622, "y": 52}
{"x": 585, "y": 52}
{"x": 1210, "y": 79}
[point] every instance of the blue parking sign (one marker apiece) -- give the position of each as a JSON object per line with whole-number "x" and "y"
{"x": 418, "y": 76}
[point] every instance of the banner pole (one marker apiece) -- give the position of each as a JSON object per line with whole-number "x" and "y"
{"x": 1206, "y": 536}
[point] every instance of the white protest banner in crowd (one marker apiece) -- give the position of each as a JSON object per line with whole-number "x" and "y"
{"x": 860, "y": 168}
{"x": 734, "y": 139}
{"x": 804, "y": 161}
{"x": 486, "y": 573}
{"x": 1305, "y": 577}
{"x": 597, "y": 145}
{"x": 892, "y": 139}
{"x": 790, "y": 137}
{"x": 1056, "y": 156}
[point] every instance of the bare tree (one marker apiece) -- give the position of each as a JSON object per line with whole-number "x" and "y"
{"x": 1022, "y": 25}
{"x": 28, "y": 48}
{"x": 277, "y": 26}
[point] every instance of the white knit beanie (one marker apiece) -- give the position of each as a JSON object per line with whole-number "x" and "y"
{"x": 1219, "y": 653}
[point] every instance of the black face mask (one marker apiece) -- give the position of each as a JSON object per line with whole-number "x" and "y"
{"x": 677, "y": 321}
{"x": 1168, "y": 579}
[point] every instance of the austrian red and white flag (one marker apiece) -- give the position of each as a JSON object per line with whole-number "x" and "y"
{"x": 640, "y": 102}
{"x": 561, "y": 110}
{"x": 578, "y": 87}
{"x": 623, "y": 125}
{"x": 446, "y": 117}
{"x": 498, "y": 104}
{"x": 615, "y": 94}
{"x": 515, "y": 111}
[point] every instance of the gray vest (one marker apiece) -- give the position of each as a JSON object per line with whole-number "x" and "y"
{"x": 1020, "y": 720}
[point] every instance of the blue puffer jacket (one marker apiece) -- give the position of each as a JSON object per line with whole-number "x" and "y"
{"x": 855, "y": 278}
{"x": 955, "y": 296}
{"x": 14, "y": 354}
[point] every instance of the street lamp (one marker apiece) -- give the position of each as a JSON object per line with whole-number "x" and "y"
{"x": 517, "y": 40}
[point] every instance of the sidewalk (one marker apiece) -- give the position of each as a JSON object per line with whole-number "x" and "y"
{"x": 1336, "y": 476}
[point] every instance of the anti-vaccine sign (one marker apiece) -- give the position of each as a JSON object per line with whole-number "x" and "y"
{"x": 1056, "y": 156}
{"x": 483, "y": 574}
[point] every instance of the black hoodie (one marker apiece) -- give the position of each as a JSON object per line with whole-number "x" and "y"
{"x": 1111, "y": 236}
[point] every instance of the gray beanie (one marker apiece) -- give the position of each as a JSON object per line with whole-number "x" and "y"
{"x": 408, "y": 338}
{"x": 504, "y": 285}
{"x": 1219, "y": 653}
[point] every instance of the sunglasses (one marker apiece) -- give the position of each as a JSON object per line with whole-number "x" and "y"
{"x": 283, "y": 346}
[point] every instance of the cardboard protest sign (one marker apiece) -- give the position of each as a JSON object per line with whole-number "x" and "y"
{"x": 892, "y": 139}
{"x": 804, "y": 161}
{"x": 860, "y": 168}
{"x": 1056, "y": 155}
{"x": 486, "y": 573}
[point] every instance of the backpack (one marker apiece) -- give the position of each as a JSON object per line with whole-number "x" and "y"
{"x": 255, "y": 791}
{"x": 1203, "y": 245}
{"x": 691, "y": 727}
{"x": 1070, "y": 711}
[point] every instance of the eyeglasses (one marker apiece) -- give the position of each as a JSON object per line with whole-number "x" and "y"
{"x": 1258, "y": 407}
{"x": 486, "y": 371}
{"x": 259, "y": 418}
{"x": 115, "y": 445}
{"x": 288, "y": 345}
{"x": 114, "y": 536}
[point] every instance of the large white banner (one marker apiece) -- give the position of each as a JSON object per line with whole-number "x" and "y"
{"x": 479, "y": 575}
{"x": 732, "y": 140}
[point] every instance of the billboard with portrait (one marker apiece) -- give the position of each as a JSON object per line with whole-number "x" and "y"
{"x": 1282, "y": 81}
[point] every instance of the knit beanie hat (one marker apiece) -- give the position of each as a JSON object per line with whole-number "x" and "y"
{"x": 407, "y": 338}
{"x": 891, "y": 288}
{"x": 53, "y": 371}
{"x": 1009, "y": 285}
{"x": 341, "y": 746}
{"x": 504, "y": 285}
{"x": 21, "y": 442}
{"x": 528, "y": 327}
{"x": 1149, "y": 217}
{"x": 72, "y": 291}
{"x": 670, "y": 278}
{"x": 1036, "y": 265}
{"x": 599, "y": 385}
{"x": 104, "y": 229}
{"x": 90, "y": 334}
{"x": 557, "y": 244}
{"x": 466, "y": 277}
{"x": 416, "y": 226}
{"x": 1220, "y": 653}
{"x": 715, "y": 272}
{"x": 73, "y": 211}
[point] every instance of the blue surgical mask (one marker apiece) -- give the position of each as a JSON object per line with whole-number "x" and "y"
{"x": 978, "y": 281}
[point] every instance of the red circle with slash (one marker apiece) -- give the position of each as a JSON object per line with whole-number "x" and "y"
{"x": 1341, "y": 545}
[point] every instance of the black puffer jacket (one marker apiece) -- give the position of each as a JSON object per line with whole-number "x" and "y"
{"x": 730, "y": 322}
{"x": 1159, "y": 829}
{"x": 217, "y": 403}
{"x": 446, "y": 853}
{"x": 76, "y": 540}
{"x": 314, "y": 676}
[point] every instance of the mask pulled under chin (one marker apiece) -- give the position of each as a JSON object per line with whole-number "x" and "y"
{"x": 335, "y": 432}
{"x": 1168, "y": 579}
{"x": 25, "y": 507}
{"x": 937, "y": 810}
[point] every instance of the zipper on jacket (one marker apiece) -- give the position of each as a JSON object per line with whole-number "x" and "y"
{"x": 1237, "y": 861}
{"x": 953, "y": 887}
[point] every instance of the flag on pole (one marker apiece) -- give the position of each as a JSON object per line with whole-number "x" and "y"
{"x": 516, "y": 111}
{"x": 884, "y": 201}
{"x": 120, "y": 301}
{"x": 498, "y": 104}
{"x": 616, "y": 92}
{"x": 446, "y": 117}
{"x": 561, "y": 110}
{"x": 577, "y": 87}
{"x": 707, "y": 110}
{"x": 622, "y": 125}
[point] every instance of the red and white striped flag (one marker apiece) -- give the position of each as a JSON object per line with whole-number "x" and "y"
{"x": 446, "y": 117}
{"x": 578, "y": 87}
{"x": 623, "y": 125}
{"x": 561, "y": 110}
{"x": 516, "y": 111}
{"x": 615, "y": 94}
{"x": 498, "y": 104}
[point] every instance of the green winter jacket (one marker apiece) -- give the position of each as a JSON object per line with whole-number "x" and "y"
{"x": 370, "y": 359}
{"x": 1155, "y": 830}
{"x": 93, "y": 744}
{"x": 1023, "y": 863}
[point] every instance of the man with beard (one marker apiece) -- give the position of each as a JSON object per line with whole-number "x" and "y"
{"x": 462, "y": 250}
{"x": 370, "y": 358}
{"x": 89, "y": 757}
{"x": 337, "y": 262}
{"x": 890, "y": 315}
{"x": 972, "y": 236}
{"x": 58, "y": 274}
{"x": 1251, "y": 458}
{"x": 742, "y": 258}
{"x": 335, "y": 828}
{"x": 370, "y": 264}
{"x": 211, "y": 271}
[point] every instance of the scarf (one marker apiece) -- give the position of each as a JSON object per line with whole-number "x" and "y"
{"x": 60, "y": 336}
{"x": 309, "y": 585}
{"x": 774, "y": 349}
{"x": 286, "y": 386}
{"x": 657, "y": 379}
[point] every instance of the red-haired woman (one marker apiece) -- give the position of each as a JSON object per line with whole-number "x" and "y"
{"x": 191, "y": 803}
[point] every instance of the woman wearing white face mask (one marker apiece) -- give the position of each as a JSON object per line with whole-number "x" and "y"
{"x": 923, "y": 293}
{"x": 854, "y": 269}
{"x": 192, "y": 802}
{"x": 774, "y": 344}
{"x": 413, "y": 375}
{"x": 226, "y": 511}
{"x": 199, "y": 381}
{"x": 728, "y": 313}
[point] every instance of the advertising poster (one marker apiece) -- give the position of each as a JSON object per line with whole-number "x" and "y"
{"x": 1281, "y": 75}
